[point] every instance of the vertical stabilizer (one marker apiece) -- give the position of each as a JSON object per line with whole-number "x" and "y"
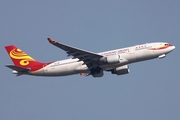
{"x": 23, "y": 60}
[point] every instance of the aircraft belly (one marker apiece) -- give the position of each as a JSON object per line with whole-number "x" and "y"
{"x": 37, "y": 73}
{"x": 109, "y": 67}
{"x": 62, "y": 70}
{"x": 130, "y": 57}
{"x": 160, "y": 52}
{"x": 144, "y": 55}
{"x": 137, "y": 56}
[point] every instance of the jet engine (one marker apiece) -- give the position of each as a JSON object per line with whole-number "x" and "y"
{"x": 112, "y": 59}
{"x": 97, "y": 72}
{"x": 121, "y": 70}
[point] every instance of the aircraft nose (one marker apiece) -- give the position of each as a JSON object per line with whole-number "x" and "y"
{"x": 172, "y": 47}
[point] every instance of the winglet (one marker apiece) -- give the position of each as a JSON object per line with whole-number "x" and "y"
{"x": 51, "y": 40}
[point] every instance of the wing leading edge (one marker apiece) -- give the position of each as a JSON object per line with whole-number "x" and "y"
{"x": 85, "y": 56}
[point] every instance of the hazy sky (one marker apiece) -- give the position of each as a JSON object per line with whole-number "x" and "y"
{"x": 149, "y": 92}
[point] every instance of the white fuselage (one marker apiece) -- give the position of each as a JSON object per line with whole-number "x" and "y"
{"x": 127, "y": 56}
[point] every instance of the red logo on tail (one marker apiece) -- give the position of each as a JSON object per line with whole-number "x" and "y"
{"x": 22, "y": 59}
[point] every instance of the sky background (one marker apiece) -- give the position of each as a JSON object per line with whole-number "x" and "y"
{"x": 149, "y": 92}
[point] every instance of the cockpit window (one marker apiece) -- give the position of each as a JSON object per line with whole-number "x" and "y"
{"x": 166, "y": 44}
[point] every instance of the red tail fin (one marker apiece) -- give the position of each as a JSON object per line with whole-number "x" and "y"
{"x": 22, "y": 59}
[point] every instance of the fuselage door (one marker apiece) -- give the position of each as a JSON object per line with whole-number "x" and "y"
{"x": 132, "y": 50}
{"x": 45, "y": 68}
{"x": 132, "y": 54}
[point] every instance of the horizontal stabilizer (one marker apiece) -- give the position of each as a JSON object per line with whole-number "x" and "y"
{"x": 18, "y": 69}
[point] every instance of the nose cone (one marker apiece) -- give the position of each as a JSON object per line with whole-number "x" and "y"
{"x": 172, "y": 47}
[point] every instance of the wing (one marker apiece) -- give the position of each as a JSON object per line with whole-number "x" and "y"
{"x": 82, "y": 55}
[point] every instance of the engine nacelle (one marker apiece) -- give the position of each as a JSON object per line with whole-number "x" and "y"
{"x": 100, "y": 74}
{"x": 97, "y": 72}
{"x": 113, "y": 59}
{"x": 121, "y": 70}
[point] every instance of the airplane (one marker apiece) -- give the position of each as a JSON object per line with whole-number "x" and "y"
{"x": 85, "y": 62}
